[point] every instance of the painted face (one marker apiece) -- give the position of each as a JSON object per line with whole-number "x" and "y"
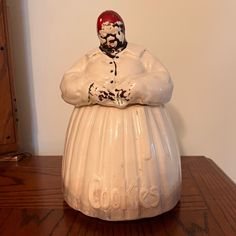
{"x": 112, "y": 35}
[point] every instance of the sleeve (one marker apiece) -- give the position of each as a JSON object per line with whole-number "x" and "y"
{"x": 154, "y": 86}
{"x": 74, "y": 85}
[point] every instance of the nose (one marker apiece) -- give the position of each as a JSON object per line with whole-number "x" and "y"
{"x": 110, "y": 38}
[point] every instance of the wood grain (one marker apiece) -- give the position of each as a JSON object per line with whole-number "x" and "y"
{"x": 31, "y": 203}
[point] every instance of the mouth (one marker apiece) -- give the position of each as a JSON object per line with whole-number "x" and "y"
{"x": 112, "y": 43}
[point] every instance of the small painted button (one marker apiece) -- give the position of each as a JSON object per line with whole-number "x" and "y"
{"x": 117, "y": 57}
{"x": 110, "y": 62}
{"x": 111, "y": 71}
{"x": 111, "y": 81}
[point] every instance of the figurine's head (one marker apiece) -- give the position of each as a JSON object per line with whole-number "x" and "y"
{"x": 111, "y": 32}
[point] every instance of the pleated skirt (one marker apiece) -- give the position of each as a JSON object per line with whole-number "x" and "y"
{"x": 121, "y": 164}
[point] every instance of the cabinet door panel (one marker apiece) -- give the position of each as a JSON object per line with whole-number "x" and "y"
{"x": 7, "y": 126}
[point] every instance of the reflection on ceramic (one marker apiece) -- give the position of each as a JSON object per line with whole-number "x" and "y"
{"x": 121, "y": 159}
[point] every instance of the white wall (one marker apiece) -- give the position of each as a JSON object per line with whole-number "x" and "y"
{"x": 195, "y": 40}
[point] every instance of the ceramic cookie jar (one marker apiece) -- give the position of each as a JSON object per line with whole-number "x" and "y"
{"x": 121, "y": 159}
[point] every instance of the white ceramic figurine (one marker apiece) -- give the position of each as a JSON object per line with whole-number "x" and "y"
{"x": 121, "y": 159}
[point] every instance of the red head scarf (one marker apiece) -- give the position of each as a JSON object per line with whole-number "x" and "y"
{"x": 108, "y": 16}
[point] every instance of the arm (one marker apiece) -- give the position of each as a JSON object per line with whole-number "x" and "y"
{"x": 74, "y": 85}
{"x": 159, "y": 87}
{"x": 80, "y": 90}
{"x": 153, "y": 87}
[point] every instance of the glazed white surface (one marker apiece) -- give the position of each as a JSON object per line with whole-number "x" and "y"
{"x": 121, "y": 159}
{"x": 137, "y": 70}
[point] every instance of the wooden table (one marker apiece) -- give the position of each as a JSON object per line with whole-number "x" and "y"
{"x": 31, "y": 203}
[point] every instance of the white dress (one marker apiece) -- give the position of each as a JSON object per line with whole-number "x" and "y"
{"x": 121, "y": 159}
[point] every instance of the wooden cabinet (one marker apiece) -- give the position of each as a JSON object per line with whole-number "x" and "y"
{"x": 32, "y": 204}
{"x": 8, "y": 140}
